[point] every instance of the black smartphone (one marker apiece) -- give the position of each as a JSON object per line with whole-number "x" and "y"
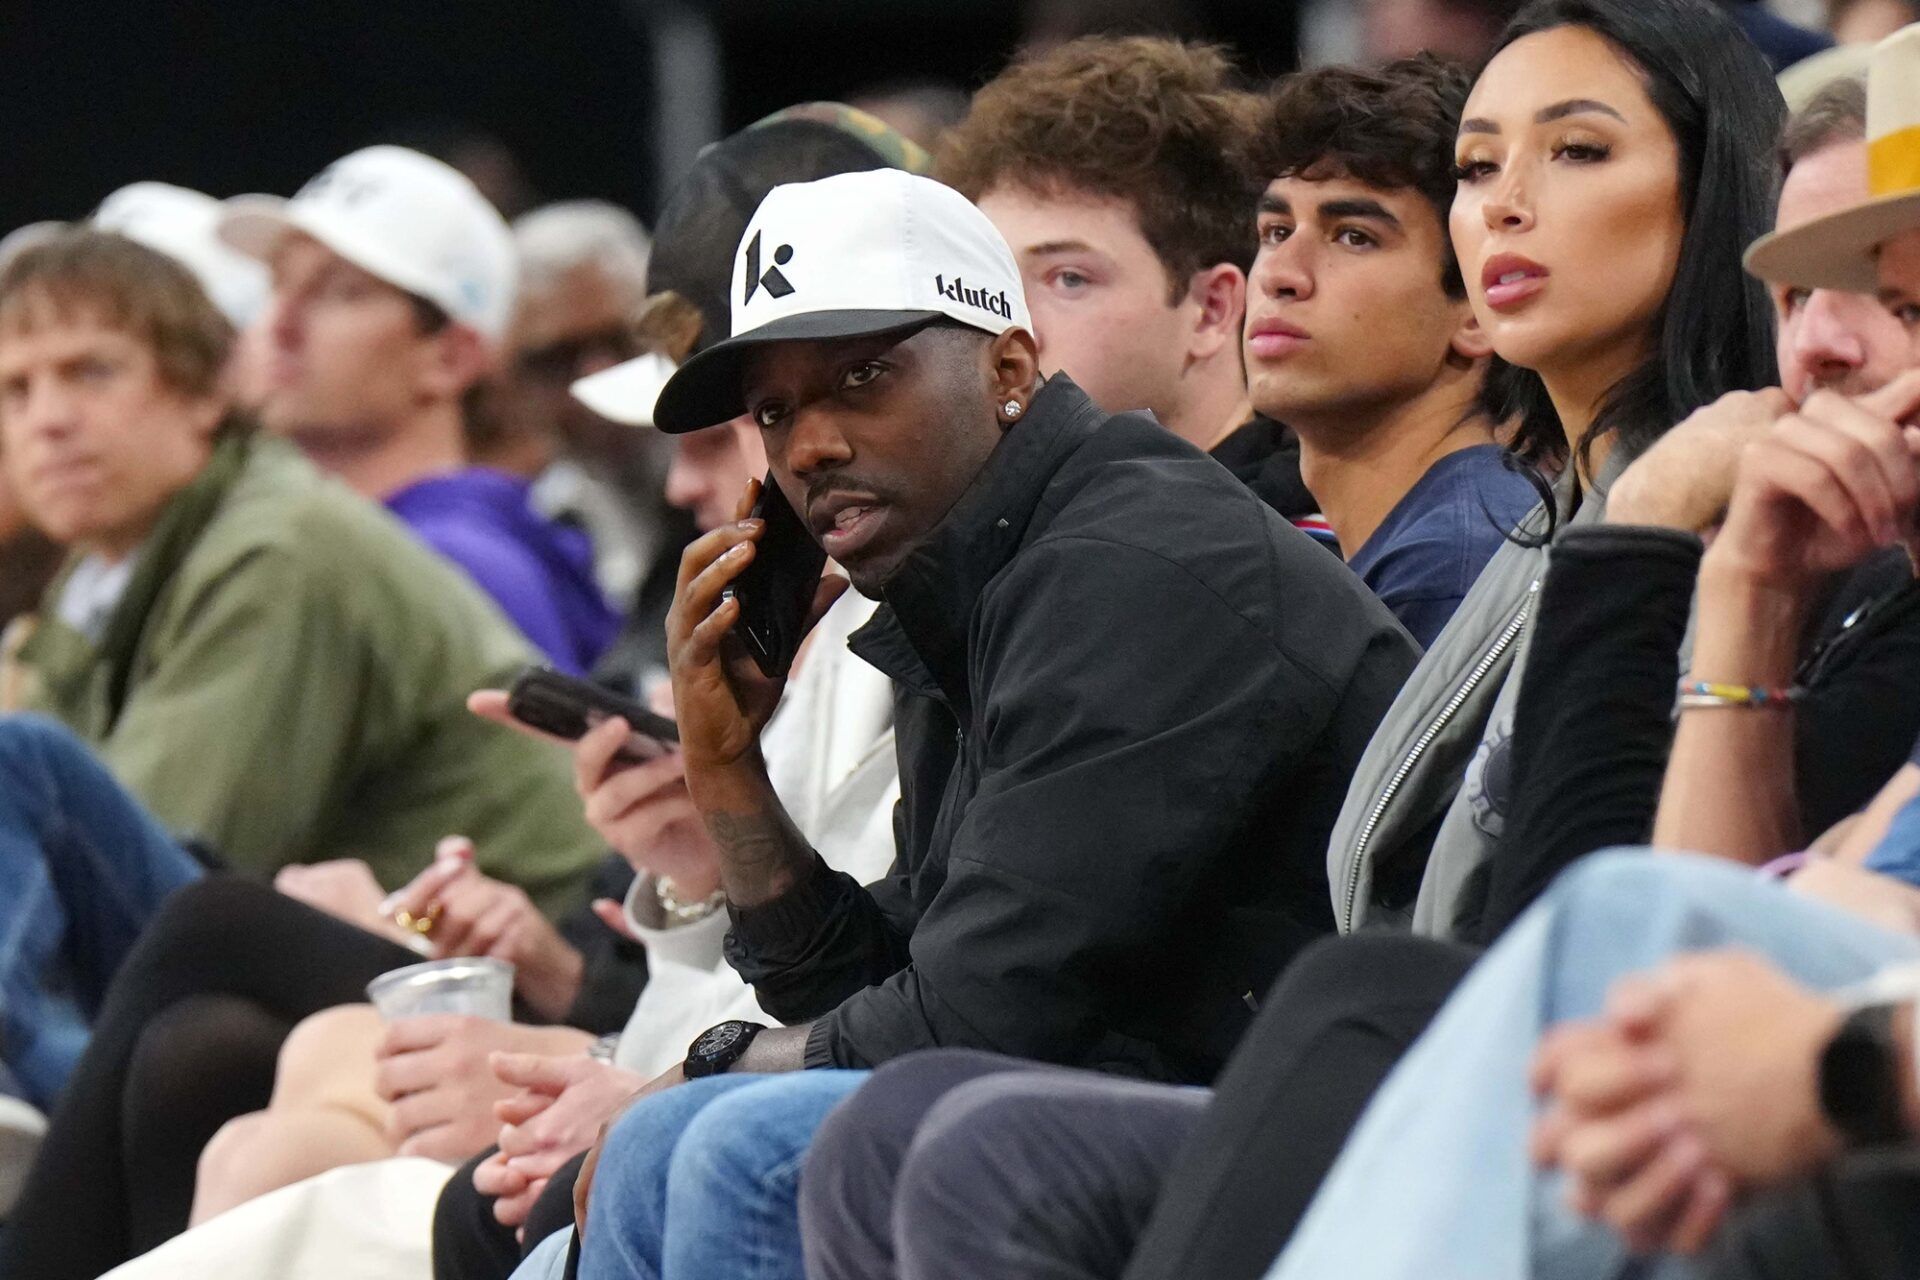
{"x": 776, "y": 590}
{"x": 567, "y": 708}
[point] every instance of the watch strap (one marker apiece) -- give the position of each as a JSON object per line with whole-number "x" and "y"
{"x": 1860, "y": 1087}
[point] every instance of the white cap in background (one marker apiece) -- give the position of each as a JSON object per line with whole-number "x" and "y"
{"x": 183, "y": 224}
{"x": 406, "y": 218}
{"x": 846, "y": 256}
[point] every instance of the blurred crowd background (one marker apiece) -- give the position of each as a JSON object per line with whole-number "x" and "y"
{"x": 590, "y": 98}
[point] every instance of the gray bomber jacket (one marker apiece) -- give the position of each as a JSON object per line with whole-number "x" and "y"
{"x": 1440, "y": 755}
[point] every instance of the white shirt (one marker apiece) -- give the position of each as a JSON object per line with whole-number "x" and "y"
{"x": 93, "y": 591}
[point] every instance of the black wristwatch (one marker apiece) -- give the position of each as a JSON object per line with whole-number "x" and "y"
{"x": 1860, "y": 1087}
{"x": 718, "y": 1048}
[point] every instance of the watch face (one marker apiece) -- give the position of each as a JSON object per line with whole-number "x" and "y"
{"x": 715, "y": 1040}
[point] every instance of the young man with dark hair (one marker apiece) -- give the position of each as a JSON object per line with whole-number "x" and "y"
{"x": 1360, "y": 338}
{"x": 1109, "y": 165}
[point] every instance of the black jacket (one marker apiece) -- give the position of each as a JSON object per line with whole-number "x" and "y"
{"x": 1129, "y": 697}
{"x": 1265, "y": 456}
{"x": 1592, "y": 730}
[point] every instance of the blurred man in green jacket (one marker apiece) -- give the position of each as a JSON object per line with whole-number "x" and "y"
{"x": 269, "y": 662}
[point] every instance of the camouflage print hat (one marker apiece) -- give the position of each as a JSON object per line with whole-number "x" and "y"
{"x": 700, "y": 227}
{"x": 898, "y": 150}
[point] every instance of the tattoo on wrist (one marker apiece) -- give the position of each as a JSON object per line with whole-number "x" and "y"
{"x": 759, "y": 854}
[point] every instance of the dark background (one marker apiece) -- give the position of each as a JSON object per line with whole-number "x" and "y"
{"x": 258, "y": 95}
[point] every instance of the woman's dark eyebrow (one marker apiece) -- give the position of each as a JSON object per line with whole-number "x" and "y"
{"x": 1546, "y": 115}
{"x": 1574, "y": 107}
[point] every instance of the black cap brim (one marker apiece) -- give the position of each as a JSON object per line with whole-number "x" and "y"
{"x": 706, "y": 390}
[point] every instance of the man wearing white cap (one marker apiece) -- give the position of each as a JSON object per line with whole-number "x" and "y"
{"x": 393, "y": 286}
{"x": 1129, "y": 698}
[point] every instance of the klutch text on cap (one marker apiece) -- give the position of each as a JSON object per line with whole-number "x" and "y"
{"x": 957, "y": 291}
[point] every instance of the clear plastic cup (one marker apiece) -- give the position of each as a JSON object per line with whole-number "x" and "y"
{"x": 478, "y": 988}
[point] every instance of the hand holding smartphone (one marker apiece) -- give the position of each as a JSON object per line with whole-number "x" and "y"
{"x": 777, "y": 587}
{"x": 544, "y": 699}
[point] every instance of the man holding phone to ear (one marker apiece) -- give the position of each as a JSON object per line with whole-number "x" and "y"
{"x": 907, "y": 425}
{"x": 1129, "y": 694}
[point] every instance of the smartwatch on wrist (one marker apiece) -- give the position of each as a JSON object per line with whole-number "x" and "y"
{"x": 718, "y": 1048}
{"x": 1860, "y": 1088}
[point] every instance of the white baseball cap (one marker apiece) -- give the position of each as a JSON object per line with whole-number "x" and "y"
{"x": 843, "y": 257}
{"x": 183, "y": 224}
{"x": 406, "y": 218}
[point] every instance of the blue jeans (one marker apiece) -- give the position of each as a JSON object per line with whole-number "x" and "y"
{"x": 83, "y": 868}
{"x": 546, "y": 1260}
{"x": 1898, "y": 853}
{"x": 1435, "y": 1182}
{"x": 703, "y": 1179}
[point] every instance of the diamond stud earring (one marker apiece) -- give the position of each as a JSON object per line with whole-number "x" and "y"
{"x": 1013, "y": 408}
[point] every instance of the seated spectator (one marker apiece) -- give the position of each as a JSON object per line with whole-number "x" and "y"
{"x": 179, "y": 223}
{"x": 703, "y": 217}
{"x": 1110, "y": 166}
{"x": 583, "y": 276}
{"x": 266, "y": 664}
{"x": 1013, "y": 943}
{"x": 1360, "y": 338}
{"x": 393, "y": 286}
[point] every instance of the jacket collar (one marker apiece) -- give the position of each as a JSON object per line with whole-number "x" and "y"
{"x": 919, "y": 634}
{"x": 63, "y": 657}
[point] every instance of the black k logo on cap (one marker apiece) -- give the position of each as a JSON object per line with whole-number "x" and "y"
{"x": 772, "y": 281}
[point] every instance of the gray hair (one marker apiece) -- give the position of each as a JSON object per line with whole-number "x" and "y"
{"x": 558, "y": 238}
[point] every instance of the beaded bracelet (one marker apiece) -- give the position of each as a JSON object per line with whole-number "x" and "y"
{"x": 1712, "y": 695}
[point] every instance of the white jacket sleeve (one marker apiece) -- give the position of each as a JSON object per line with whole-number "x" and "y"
{"x": 830, "y": 752}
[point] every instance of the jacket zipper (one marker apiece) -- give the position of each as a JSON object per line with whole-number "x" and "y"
{"x": 1500, "y": 645}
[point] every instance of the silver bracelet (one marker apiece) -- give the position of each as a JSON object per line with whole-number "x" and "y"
{"x": 679, "y": 911}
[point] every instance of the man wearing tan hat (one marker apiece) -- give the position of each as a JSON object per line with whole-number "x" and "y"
{"x": 1874, "y": 246}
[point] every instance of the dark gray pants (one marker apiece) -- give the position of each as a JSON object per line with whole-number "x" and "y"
{"x": 979, "y": 1165}
{"x": 1859, "y": 1221}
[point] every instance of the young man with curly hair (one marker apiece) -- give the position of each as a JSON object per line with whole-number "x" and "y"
{"x": 1111, "y": 167}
